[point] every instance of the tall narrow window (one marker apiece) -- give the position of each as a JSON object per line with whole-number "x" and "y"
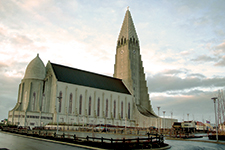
{"x": 98, "y": 107}
{"x": 60, "y": 101}
{"x": 114, "y": 109}
{"x": 106, "y": 108}
{"x": 70, "y": 103}
{"x": 121, "y": 109}
{"x": 80, "y": 105}
{"x": 34, "y": 99}
{"x": 89, "y": 107}
{"x": 128, "y": 110}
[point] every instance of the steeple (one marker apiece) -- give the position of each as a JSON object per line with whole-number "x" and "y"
{"x": 128, "y": 31}
{"x": 129, "y": 68}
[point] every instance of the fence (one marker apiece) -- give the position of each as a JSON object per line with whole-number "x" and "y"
{"x": 152, "y": 141}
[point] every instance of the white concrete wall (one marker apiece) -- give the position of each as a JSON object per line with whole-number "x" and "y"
{"x": 95, "y": 94}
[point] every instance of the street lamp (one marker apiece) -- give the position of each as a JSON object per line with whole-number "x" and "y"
{"x": 159, "y": 125}
{"x": 171, "y": 119}
{"x": 59, "y": 97}
{"x": 164, "y": 120}
{"x": 214, "y": 100}
{"x": 188, "y": 121}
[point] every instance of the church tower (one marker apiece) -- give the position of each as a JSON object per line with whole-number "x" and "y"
{"x": 128, "y": 66}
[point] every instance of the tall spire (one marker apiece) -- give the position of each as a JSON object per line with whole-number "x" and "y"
{"x": 128, "y": 30}
{"x": 128, "y": 66}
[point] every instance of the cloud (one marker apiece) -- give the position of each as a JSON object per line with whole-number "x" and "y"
{"x": 220, "y": 48}
{"x": 8, "y": 94}
{"x": 162, "y": 82}
{"x": 3, "y": 65}
{"x": 198, "y": 106}
{"x": 221, "y": 62}
{"x": 185, "y": 93}
{"x": 204, "y": 58}
{"x": 20, "y": 40}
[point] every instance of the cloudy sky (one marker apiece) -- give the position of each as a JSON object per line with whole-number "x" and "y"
{"x": 182, "y": 46}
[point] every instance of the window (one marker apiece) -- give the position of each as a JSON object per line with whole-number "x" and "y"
{"x": 70, "y": 103}
{"x": 89, "y": 107}
{"x": 121, "y": 109}
{"x": 34, "y": 99}
{"x": 60, "y": 101}
{"x": 114, "y": 109}
{"x": 98, "y": 107}
{"x": 128, "y": 110}
{"x": 80, "y": 105}
{"x": 106, "y": 108}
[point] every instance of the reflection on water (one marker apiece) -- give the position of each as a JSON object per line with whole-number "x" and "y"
{"x": 14, "y": 142}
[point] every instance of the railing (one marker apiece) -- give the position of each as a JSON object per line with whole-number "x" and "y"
{"x": 152, "y": 141}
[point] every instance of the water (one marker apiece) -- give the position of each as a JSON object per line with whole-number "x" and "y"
{"x": 15, "y": 142}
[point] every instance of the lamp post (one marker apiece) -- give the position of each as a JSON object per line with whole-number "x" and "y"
{"x": 188, "y": 121}
{"x": 164, "y": 121}
{"x": 158, "y": 120}
{"x": 59, "y": 97}
{"x": 214, "y": 100}
{"x": 171, "y": 120}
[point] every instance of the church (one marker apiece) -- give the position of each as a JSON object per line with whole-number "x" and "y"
{"x": 58, "y": 93}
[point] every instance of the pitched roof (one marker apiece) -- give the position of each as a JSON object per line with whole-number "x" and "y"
{"x": 89, "y": 79}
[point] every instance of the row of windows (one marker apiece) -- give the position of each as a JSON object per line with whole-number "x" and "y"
{"x": 123, "y": 41}
{"x": 30, "y": 116}
{"x": 90, "y": 104}
{"x": 37, "y": 117}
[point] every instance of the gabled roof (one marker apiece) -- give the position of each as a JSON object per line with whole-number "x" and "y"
{"x": 89, "y": 79}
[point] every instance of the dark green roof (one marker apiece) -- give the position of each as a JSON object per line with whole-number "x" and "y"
{"x": 89, "y": 79}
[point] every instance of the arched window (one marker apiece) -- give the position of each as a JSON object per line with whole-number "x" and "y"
{"x": 70, "y": 103}
{"x": 114, "y": 109}
{"x": 122, "y": 41}
{"x": 98, "y": 107}
{"x": 130, "y": 40}
{"x": 121, "y": 109}
{"x": 118, "y": 43}
{"x": 80, "y": 105}
{"x": 89, "y": 107}
{"x": 128, "y": 110}
{"x": 34, "y": 100}
{"x": 125, "y": 41}
{"x": 60, "y": 101}
{"x": 106, "y": 108}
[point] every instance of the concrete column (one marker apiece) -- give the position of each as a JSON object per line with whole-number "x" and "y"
{"x": 66, "y": 101}
{"x": 102, "y": 103}
{"x": 75, "y": 102}
{"x": 93, "y": 104}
